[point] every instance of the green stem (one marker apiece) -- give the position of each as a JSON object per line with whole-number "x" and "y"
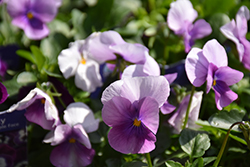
{"x": 216, "y": 163}
{"x": 148, "y": 159}
{"x": 151, "y": 4}
{"x": 188, "y": 108}
{"x": 59, "y": 98}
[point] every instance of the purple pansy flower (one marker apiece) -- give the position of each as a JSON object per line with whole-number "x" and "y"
{"x": 131, "y": 108}
{"x": 39, "y": 109}
{"x": 73, "y": 147}
{"x": 180, "y": 19}
{"x": 210, "y": 64}
{"x": 150, "y": 68}
{"x": 236, "y": 31}
{"x": 178, "y": 117}
{"x": 32, "y": 16}
{"x": 107, "y": 45}
{"x": 3, "y": 93}
{"x": 78, "y": 61}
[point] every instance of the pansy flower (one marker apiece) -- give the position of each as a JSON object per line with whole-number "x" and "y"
{"x": 78, "y": 61}
{"x": 131, "y": 108}
{"x": 150, "y": 68}
{"x": 178, "y": 117}
{"x": 210, "y": 64}
{"x": 180, "y": 19}
{"x": 32, "y": 16}
{"x": 236, "y": 31}
{"x": 109, "y": 46}
{"x": 39, "y": 109}
{"x": 73, "y": 147}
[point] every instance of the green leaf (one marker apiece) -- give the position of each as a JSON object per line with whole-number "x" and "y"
{"x": 27, "y": 55}
{"x": 214, "y": 130}
{"x": 194, "y": 143}
{"x": 171, "y": 163}
{"x": 208, "y": 160}
{"x": 225, "y": 119}
{"x": 198, "y": 162}
{"x": 52, "y": 74}
{"x": 25, "y": 78}
{"x": 12, "y": 86}
{"x": 38, "y": 56}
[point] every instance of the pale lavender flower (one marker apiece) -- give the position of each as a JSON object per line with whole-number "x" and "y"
{"x": 131, "y": 108}
{"x": 73, "y": 147}
{"x": 78, "y": 61}
{"x": 150, "y": 68}
{"x": 178, "y": 117}
{"x": 210, "y": 64}
{"x": 236, "y": 31}
{"x": 32, "y": 16}
{"x": 109, "y": 46}
{"x": 39, "y": 109}
{"x": 180, "y": 19}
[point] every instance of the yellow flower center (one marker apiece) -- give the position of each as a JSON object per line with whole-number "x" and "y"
{"x": 214, "y": 82}
{"x": 83, "y": 61}
{"x": 30, "y": 15}
{"x": 137, "y": 122}
{"x": 72, "y": 140}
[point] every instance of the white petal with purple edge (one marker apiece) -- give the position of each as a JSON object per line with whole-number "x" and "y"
{"x": 68, "y": 61}
{"x": 196, "y": 66}
{"x": 88, "y": 76}
{"x": 137, "y": 88}
{"x": 80, "y": 113}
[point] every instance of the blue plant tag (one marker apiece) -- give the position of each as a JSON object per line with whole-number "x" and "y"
{"x": 12, "y": 121}
{"x": 13, "y": 139}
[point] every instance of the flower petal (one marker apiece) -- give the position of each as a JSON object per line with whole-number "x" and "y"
{"x": 131, "y": 139}
{"x": 137, "y": 88}
{"x": 79, "y": 134}
{"x": 200, "y": 29}
{"x": 45, "y": 10}
{"x": 68, "y": 60}
{"x": 223, "y": 95}
{"x": 215, "y": 53}
{"x": 134, "y": 53}
{"x": 171, "y": 77}
{"x": 180, "y": 14}
{"x": 167, "y": 108}
{"x": 88, "y": 76}
{"x": 61, "y": 134}
{"x": 231, "y": 32}
{"x": 17, "y": 9}
{"x": 80, "y": 113}
{"x": 196, "y": 66}
{"x": 149, "y": 113}
{"x": 178, "y": 117}
{"x": 242, "y": 17}
{"x": 3, "y": 93}
{"x": 99, "y": 45}
{"x": 150, "y": 67}
{"x": 210, "y": 76}
{"x": 228, "y": 75}
{"x": 118, "y": 111}
{"x": 71, "y": 154}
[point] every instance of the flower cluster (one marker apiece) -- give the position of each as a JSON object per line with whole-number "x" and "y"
{"x": 140, "y": 98}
